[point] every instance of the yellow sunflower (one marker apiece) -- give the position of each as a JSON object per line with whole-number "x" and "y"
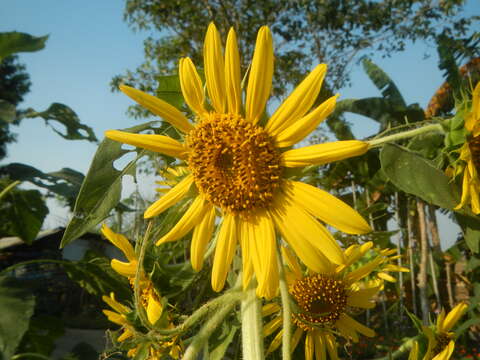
{"x": 149, "y": 297}
{"x": 238, "y": 165}
{"x": 441, "y": 341}
{"x": 325, "y": 301}
{"x": 470, "y": 154}
{"x": 119, "y": 317}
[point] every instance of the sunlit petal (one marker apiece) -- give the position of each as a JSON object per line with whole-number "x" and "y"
{"x": 170, "y": 198}
{"x": 214, "y": 68}
{"x": 191, "y": 85}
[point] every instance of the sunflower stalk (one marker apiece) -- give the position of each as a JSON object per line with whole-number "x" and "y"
{"x": 252, "y": 334}
{"x": 286, "y": 311}
{"x": 405, "y": 135}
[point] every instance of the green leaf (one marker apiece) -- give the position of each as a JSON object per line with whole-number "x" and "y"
{"x": 22, "y": 213}
{"x": 471, "y": 230}
{"x": 170, "y": 91}
{"x": 385, "y": 111}
{"x": 417, "y": 176}
{"x": 17, "y": 306}
{"x": 102, "y": 187}
{"x": 7, "y": 112}
{"x": 74, "y": 129}
{"x": 222, "y": 343}
{"x": 14, "y": 42}
{"x": 65, "y": 182}
{"x": 383, "y": 82}
{"x": 42, "y": 332}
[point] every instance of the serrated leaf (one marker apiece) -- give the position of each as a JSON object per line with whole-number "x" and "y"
{"x": 7, "y": 112}
{"x": 101, "y": 189}
{"x": 15, "y": 42}
{"x": 17, "y": 306}
{"x": 417, "y": 176}
{"x": 383, "y": 82}
{"x": 74, "y": 129}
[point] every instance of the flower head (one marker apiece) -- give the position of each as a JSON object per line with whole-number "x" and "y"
{"x": 325, "y": 302}
{"x": 238, "y": 165}
{"x": 441, "y": 341}
{"x": 470, "y": 156}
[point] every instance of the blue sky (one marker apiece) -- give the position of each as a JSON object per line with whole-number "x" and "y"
{"x": 89, "y": 43}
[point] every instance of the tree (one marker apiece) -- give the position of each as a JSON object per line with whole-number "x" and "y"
{"x": 14, "y": 84}
{"x": 337, "y": 32}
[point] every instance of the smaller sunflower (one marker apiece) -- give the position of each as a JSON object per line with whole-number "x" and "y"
{"x": 441, "y": 341}
{"x": 325, "y": 302}
{"x": 470, "y": 156}
{"x": 150, "y": 299}
{"x": 119, "y": 317}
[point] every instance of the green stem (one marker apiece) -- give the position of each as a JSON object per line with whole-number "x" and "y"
{"x": 29, "y": 356}
{"x": 252, "y": 332}
{"x": 138, "y": 275}
{"x": 405, "y": 135}
{"x": 286, "y": 312}
{"x": 8, "y": 188}
{"x": 201, "y": 338}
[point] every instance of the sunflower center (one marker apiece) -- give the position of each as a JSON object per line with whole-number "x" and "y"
{"x": 234, "y": 163}
{"x": 321, "y": 298}
{"x": 442, "y": 342}
{"x": 474, "y": 145}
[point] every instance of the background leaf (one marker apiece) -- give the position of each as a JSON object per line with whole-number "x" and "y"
{"x": 102, "y": 187}
{"x": 7, "y": 112}
{"x": 14, "y": 42}
{"x": 417, "y": 176}
{"x": 17, "y": 306}
{"x": 170, "y": 91}
{"x": 383, "y": 82}
{"x": 64, "y": 115}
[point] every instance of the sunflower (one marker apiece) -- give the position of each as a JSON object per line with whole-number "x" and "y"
{"x": 325, "y": 300}
{"x": 441, "y": 341}
{"x": 149, "y": 297}
{"x": 238, "y": 163}
{"x": 470, "y": 155}
{"x": 119, "y": 317}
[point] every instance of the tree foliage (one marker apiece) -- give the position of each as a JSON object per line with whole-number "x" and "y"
{"x": 336, "y": 32}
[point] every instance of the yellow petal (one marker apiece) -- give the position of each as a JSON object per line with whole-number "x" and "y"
{"x": 170, "y": 198}
{"x": 363, "y": 298}
{"x": 115, "y": 305}
{"x": 247, "y": 266}
{"x": 320, "y": 349}
{"x": 299, "y": 238}
{"x": 201, "y": 236}
{"x": 115, "y": 317}
{"x": 298, "y": 130}
{"x": 465, "y": 191}
{"x": 224, "y": 251}
{"x": 154, "y": 308}
{"x": 296, "y": 338}
{"x": 191, "y": 84}
{"x": 214, "y": 68}
{"x": 331, "y": 346}
{"x": 362, "y": 271}
{"x": 266, "y": 247}
{"x": 270, "y": 308}
{"x": 277, "y": 340}
{"x": 232, "y": 74}
{"x": 120, "y": 242}
{"x": 355, "y": 326}
{"x": 126, "y": 335}
{"x": 125, "y": 269}
{"x": 473, "y": 118}
{"x": 272, "y": 326}
{"x": 260, "y": 78}
{"x": 159, "y": 107}
{"x": 309, "y": 346}
{"x": 387, "y": 277}
{"x": 453, "y": 316}
{"x": 326, "y": 207}
{"x": 323, "y": 153}
{"x": 158, "y": 143}
{"x": 446, "y": 353}
{"x": 310, "y": 230}
{"x": 298, "y": 103}
{"x": 414, "y": 352}
{"x": 191, "y": 217}
{"x": 291, "y": 262}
